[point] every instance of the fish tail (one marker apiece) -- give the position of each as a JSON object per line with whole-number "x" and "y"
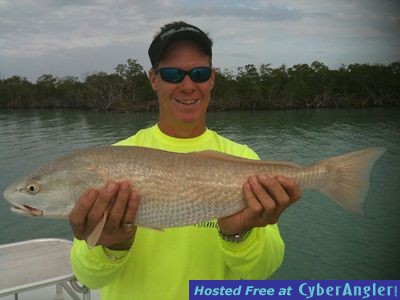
{"x": 350, "y": 182}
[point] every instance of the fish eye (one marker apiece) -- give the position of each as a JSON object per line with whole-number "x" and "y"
{"x": 32, "y": 188}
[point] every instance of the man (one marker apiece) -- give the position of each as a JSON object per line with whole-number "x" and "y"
{"x": 142, "y": 263}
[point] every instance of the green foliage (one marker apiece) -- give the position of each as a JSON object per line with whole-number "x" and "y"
{"x": 126, "y": 89}
{"x": 16, "y": 92}
{"x": 299, "y": 86}
{"x": 309, "y": 86}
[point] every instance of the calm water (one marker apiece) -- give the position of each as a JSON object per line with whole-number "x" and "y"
{"x": 322, "y": 241}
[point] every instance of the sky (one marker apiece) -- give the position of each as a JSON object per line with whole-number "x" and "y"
{"x": 77, "y": 38}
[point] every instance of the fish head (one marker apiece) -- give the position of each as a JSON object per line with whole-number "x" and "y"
{"x": 43, "y": 194}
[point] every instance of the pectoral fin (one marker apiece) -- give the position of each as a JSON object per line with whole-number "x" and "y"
{"x": 94, "y": 236}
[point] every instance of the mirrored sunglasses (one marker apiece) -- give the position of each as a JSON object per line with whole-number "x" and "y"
{"x": 176, "y": 75}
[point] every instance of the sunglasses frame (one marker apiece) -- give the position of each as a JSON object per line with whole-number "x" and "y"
{"x": 183, "y": 74}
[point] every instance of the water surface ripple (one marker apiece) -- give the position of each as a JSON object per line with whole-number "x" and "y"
{"x": 322, "y": 241}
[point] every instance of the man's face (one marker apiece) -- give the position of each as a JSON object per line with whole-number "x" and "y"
{"x": 183, "y": 103}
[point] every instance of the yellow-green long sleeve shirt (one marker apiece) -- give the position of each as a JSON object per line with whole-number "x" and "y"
{"x": 161, "y": 263}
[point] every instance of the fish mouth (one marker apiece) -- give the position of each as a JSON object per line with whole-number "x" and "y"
{"x": 23, "y": 209}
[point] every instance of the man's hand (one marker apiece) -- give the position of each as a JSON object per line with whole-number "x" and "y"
{"x": 266, "y": 198}
{"x": 121, "y": 202}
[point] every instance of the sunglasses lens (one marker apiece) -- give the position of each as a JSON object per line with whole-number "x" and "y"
{"x": 171, "y": 75}
{"x": 200, "y": 74}
{"x": 175, "y": 75}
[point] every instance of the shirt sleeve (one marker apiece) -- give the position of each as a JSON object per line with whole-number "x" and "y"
{"x": 261, "y": 253}
{"x": 258, "y": 256}
{"x": 93, "y": 267}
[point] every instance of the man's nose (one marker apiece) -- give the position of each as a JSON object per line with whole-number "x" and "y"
{"x": 187, "y": 85}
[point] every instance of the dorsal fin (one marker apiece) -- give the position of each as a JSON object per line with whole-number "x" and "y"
{"x": 210, "y": 154}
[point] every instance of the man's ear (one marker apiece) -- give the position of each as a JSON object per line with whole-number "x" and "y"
{"x": 213, "y": 75}
{"x": 152, "y": 78}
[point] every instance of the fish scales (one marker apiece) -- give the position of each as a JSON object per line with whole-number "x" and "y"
{"x": 179, "y": 189}
{"x": 182, "y": 189}
{"x": 176, "y": 189}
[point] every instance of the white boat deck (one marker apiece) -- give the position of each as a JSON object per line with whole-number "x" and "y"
{"x": 31, "y": 269}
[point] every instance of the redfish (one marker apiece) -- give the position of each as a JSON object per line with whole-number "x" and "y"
{"x": 182, "y": 189}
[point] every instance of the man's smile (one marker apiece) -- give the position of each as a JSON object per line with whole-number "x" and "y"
{"x": 186, "y": 101}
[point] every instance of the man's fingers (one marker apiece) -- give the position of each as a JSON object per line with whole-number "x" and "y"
{"x": 254, "y": 208}
{"x": 267, "y": 201}
{"x": 78, "y": 215}
{"x": 276, "y": 192}
{"x": 291, "y": 187}
{"x": 274, "y": 195}
{"x": 118, "y": 209}
{"x": 105, "y": 197}
{"x": 132, "y": 208}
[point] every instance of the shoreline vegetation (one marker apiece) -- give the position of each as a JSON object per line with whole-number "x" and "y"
{"x": 301, "y": 86}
